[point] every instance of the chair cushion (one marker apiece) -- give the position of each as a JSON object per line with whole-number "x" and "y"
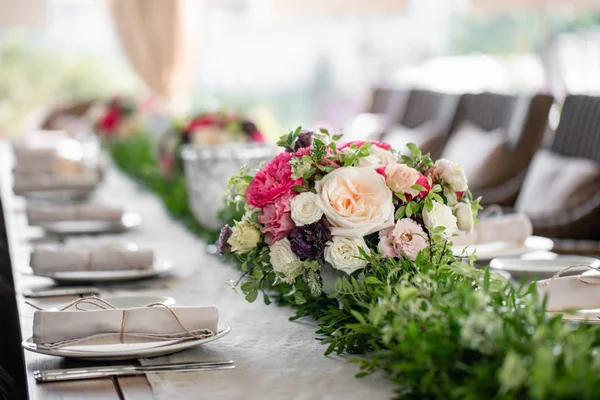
{"x": 427, "y": 136}
{"x": 556, "y": 183}
{"x": 483, "y": 154}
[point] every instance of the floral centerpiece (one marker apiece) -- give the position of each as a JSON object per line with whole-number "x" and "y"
{"x": 205, "y": 129}
{"x": 116, "y": 118}
{"x": 320, "y": 211}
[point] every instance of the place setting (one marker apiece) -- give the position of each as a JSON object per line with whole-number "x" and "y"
{"x": 118, "y": 263}
{"x": 123, "y": 328}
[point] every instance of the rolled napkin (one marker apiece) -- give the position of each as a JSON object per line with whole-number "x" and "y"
{"x": 78, "y": 212}
{"x": 580, "y": 292}
{"x": 48, "y": 260}
{"x": 502, "y": 228}
{"x": 108, "y": 325}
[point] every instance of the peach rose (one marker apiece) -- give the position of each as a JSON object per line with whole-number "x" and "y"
{"x": 356, "y": 201}
{"x": 400, "y": 178}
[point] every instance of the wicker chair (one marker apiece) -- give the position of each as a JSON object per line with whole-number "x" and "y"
{"x": 578, "y": 136}
{"x": 525, "y": 120}
{"x": 385, "y": 101}
{"x": 421, "y": 106}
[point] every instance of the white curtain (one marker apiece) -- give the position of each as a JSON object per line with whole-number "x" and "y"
{"x": 161, "y": 40}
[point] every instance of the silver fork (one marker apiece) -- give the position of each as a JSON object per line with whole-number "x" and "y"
{"x": 56, "y": 375}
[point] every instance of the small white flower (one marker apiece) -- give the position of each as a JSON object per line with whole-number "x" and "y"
{"x": 245, "y": 235}
{"x": 343, "y": 254}
{"x": 464, "y": 217}
{"x": 452, "y": 174}
{"x": 378, "y": 157}
{"x": 440, "y": 215}
{"x": 305, "y": 209}
{"x": 284, "y": 261}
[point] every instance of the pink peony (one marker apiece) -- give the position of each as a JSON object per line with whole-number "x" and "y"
{"x": 272, "y": 182}
{"x": 407, "y": 239}
{"x": 276, "y": 219}
{"x": 358, "y": 143}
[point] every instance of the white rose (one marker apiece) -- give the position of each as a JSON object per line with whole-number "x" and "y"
{"x": 464, "y": 217}
{"x": 282, "y": 256}
{"x": 440, "y": 215}
{"x": 356, "y": 201}
{"x": 378, "y": 157}
{"x": 343, "y": 254}
{"x": 452, "y": 174}
{"x": 245, "y": 235}
{"x": 305, "y": 209}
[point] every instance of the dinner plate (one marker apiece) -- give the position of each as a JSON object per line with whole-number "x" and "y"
{"x": 129, "y": 220}
{"x": 70, "y": 277}
{"x": 544, "y": 268}
{"x": 489, "y": 251}
{"x": 126, "y": 302}
{"x": 119, "y": 352}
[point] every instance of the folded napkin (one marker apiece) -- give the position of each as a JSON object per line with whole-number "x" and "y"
{"x": 44, "y": 260}
{"x": 79, "y": 212}
{"x": 24, "y": 184}
{"x": 502, "y": 228}
{"x": 153, "y": 323}
{"x": 580, "y": 292}
{"x": 36, "y": 161}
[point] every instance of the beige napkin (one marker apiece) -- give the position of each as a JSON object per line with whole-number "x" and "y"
{"x": 24, "y": 184}
{"x": 503, "y": 228}
{"x": 79, "y": 212}
{"x": 44, "y": 260}
{"x": 35, "y": 161}
{"x": 580, "y": 292}
{"x": 56, "y": 329}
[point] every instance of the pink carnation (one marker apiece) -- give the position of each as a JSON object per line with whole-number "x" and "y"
{"x": 305, "y": 151}
{"x": 358, "y": 143}
{"x": 276, "y": 220}
{"x": 272, "y": 182}
{"x": 407, "y": 238}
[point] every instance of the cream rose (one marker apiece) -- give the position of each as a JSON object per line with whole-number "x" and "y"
{"x": 377, "y": 157}
{"x": 343, "y": 254}
{"x": 305, "y": 209}
{"x": 440, "y": 215}
{"x": 464, "y": 217}
{"x": 356, "y": 201}
{"x": 284, "y": 261}
{"x": 245, "y": 235}
{"x": 400, "y": 178}
{"x": 452, "y": 174}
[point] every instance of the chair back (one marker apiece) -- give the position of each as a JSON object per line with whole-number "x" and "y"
{"x": 578, "y": 132}
{"x": 425, "y": 105}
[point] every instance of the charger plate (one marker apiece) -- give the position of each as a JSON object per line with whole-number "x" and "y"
{"x": 71, "y": 277}
{"x": 129, "y": 220}
{"x": 120, "y": 352}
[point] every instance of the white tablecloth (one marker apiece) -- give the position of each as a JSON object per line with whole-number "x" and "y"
{"x": 275, "y": 358}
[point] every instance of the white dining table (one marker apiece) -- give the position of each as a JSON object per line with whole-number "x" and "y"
{"x": 275, "y": 358}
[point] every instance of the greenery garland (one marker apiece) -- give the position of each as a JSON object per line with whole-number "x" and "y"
{"x": 438, "y": 327}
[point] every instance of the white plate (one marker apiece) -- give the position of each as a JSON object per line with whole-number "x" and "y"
{"x": 127, "y": 302}
{"x": 119, "y": 352}
{"x": 129, "y": 220}
{"x": 544, "y": 268}
{"x": 489, "y": 251}
{"x": 159, "y": 268}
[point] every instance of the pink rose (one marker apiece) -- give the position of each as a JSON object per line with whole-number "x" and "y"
{"x": 358, "y": 143}
{"x": 276, "y": 219}
{"x": 407, "y": 239}
{"x": 272, "y": 182}
{"x": 422, "y": 181}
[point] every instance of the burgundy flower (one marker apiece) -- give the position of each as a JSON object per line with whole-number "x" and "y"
{"x": 309, "y": 241}
{"x": 304, "y": 140}
{"x": 224, "y": 247}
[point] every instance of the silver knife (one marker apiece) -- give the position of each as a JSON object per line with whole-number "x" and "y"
{"x": 63, "y": 291}
{"x": 57, "y": 375}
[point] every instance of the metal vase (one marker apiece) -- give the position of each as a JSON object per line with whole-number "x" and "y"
{"x": 207, "y": 172}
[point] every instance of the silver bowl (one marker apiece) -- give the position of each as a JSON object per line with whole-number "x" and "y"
{"x": 207, "y": 172}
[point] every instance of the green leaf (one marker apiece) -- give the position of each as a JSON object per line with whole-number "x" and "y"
{"x": 414, "y": 149}
{"x": 373, "y": 280}
{"x": 251, "y": 296}
{"x": 417, "y": 187}
{"x": 318, "y": 151}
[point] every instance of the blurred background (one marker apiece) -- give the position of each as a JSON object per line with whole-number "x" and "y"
{"x": 310, "y": 62}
